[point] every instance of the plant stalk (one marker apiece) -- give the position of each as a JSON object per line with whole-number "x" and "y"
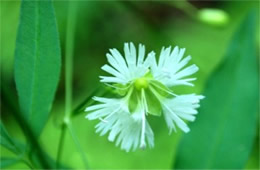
{"x": 70, "y": 32}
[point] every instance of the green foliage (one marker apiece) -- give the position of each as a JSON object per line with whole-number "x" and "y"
{"x": 225, "y": 129}
{"x": 37, "y": 61}
{"x": 217, "y": 137}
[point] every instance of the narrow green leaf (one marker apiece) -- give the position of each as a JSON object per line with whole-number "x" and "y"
{"x": 223, "y": 134}
{"x": 6, "y": 162}
{"x": 33, "y": 144}
{"x": 37, "y": 61}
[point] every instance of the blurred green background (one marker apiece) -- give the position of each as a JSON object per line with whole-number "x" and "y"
{"x": 101, "y": 25}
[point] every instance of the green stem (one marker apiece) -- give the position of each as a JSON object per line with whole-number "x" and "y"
{"x": 61, "y": 144}
{"x": 77, "y": 143}
{"x": 71, "y": 23}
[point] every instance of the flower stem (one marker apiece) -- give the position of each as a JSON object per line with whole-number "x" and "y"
{"x": 72, "y": 11}
{"x": 61, "y": 144}
{"x": 71, "y": 23}
{"x": 77, "y": 143}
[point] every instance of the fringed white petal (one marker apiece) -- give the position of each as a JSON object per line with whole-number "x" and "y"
{"x": 174, "y": 118}
{"x": 120, "y": 59}
{"x": 150, "y": 61}
{"x": 123, "y": 127}
{"x": 112, "y": 71}
{"x": 170, "y": 69}
{"x": 125, "y": 69}
{"x": 106, "y": 79}
{"x": 141, "y": 54}
{"x": 132, "y": 130}
{"x": 181, "y": 107}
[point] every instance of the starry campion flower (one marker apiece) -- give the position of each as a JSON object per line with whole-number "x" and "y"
{"x": 145, "y": 89}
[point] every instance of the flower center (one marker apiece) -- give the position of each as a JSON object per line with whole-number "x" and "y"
{"x": 141, "y": 83}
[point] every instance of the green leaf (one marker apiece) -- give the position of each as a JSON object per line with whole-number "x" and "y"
{"x": 37, "y": 61}
{"x": 6, "y": 162}
{"x": 223, "y": 134}
{"x": 8, "y": 142}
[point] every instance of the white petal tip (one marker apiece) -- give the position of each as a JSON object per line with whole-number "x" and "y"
{"x": 143, "y": 146}
{"x": 111, "y": 139}
{"x": 188, "y": 57}
{"x": 183, "y": 49}
{"x": 193, "y": 119}
{"x": 186, "y": 130}
{"x": 202, "y": 97}
{"x": 152, "y": 53}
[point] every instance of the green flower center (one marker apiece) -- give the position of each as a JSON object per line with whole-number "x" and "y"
{"x": 141, "y": 83}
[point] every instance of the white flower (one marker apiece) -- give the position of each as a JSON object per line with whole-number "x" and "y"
{"x": 145, "y": 88}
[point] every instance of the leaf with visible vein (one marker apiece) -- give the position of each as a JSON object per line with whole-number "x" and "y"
{"x": 37, "y": 61}
{"x": 223, "y": 134}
